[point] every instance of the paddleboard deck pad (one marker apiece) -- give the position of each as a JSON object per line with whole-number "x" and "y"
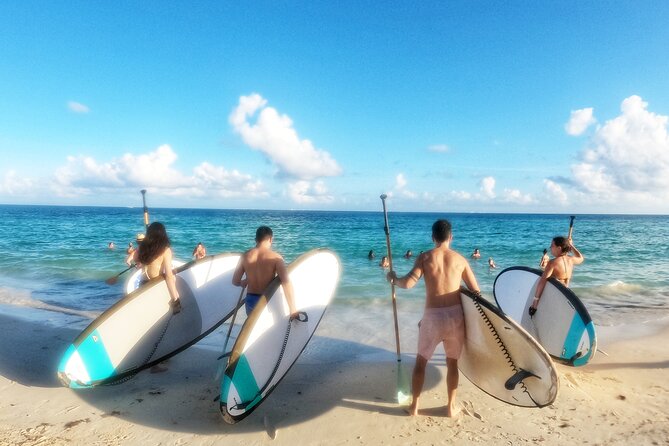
{"x": 561, "y": 324}
{"x": 503, "y": 359}
{"x": 140, "y": 330}
{"x": 269, "y": 343}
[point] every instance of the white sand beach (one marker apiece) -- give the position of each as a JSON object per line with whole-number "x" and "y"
{"x": 619, "y": 398}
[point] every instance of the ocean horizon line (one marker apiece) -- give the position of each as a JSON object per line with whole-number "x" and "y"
{"x": 482, "y": 213}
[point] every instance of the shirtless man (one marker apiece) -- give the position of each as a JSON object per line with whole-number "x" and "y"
{"x": 443, "y": 319}
{"x": 261, "y": 265}
{"x": 560, "y": 267}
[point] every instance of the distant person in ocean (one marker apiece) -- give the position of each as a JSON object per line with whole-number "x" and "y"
{"x": 154, "y": 255}
{"x": 130, "y": 254}
{"x": 371, "y": 254}
{"x": 408, "y": 254}
{"x": 384, "y": 263}
{"x": 111, "y": 245}
{"x": 560, "y": 267}
{"x": 544, "y": 260}
{"x": 258, "y": 266}
{"x": 200, "y": 251}
{"x": 443, "y": 320}
{"x": 491, "y": 263}
{"x": 476, "y": 254}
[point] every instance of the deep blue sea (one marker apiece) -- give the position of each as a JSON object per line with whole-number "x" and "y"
{"x": 54, "y": 260}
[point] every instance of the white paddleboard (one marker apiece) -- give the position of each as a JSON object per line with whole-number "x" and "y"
{"x": 561, "y": 324}
{"x": 502, "y": 359}
{"x": 140, "y": 330}
{"x": 135, "y": 279}
{"x": 269, "y": 344}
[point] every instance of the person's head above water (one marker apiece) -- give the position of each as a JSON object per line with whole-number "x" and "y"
{"x": 562, "y": 244}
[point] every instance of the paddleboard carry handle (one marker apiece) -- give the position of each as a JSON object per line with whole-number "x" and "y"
{"x": 517, "y": 377}
{"x": 301, "y": 316}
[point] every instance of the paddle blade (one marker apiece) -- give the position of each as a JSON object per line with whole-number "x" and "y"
{"x": 403, "y": 393}
{"x": 111, "y": 280}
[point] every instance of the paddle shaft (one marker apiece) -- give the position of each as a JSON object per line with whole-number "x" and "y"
{"x": 392, "y": 284}
{"x": 112, "y": 280}
{"x": 146, "y": 210}
{"x": 219, "y": 372}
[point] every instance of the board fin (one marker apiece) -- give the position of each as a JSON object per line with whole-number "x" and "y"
{"x": 517, "y": 377}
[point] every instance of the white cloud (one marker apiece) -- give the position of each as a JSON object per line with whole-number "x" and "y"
{"x": 13, "y": 184}
{"x": 554, "y": 192}
{"x": 78, "y": 107}
{"x": 579, "y": 121}
{"x": 83, "y": 175}
{"x": 516, "y": 196}
{"x": 273, "y": 135}
{"x": 307, "y": 192}
{"x": 439, "y": 148}
{"x": 627, "y": 158}
{"x": 400, "y": 187}
{"x": 487, "y": 187}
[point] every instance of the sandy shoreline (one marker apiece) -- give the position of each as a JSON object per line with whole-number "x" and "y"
{"x": 616, "y": 399}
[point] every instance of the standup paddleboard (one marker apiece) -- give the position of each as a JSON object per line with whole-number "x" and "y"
{"x": 140, "y": 330}
{"x": 135, "y": 279}
{"x": 502, "y": 359}
{"x": 561, "y": 324}
{"x": 269, "y": 344}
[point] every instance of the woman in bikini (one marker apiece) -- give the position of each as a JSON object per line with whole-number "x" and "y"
{"x": 155, "y": 256}
{"x": 560, "y": 267}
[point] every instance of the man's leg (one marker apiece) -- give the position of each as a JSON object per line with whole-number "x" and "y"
{"x": 417, "y": 380}
{"x": 452, "y": 378}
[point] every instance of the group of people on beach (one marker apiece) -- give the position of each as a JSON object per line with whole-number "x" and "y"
{"x": 442, "y": 268}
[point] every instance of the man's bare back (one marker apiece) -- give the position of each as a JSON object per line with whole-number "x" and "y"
{"x": 443, "y": 270}
{"x": 261, "y": 265}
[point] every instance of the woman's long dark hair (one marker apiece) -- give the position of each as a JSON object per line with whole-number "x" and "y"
{"x": 155, "y": 242}
{"x": 562, "y": 243}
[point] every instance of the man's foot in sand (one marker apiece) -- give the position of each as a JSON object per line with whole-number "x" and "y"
{"x": 412, "y": 410}
{"x": 452, "y": 412}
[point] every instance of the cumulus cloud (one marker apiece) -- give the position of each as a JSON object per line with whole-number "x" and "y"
{"x": 627, "y": 157}
{"x": 516, "y": 196}
{"x": 554, "y": 192}
{"x": 273, "y": 134}
{"x": 401, "y": 187}
{"x": 579, "y": 121}
{"x": 487, "y": 187}
{"x": 77, "y": 107}
{"x": 439, "y": 148}
{"x": 14, "y": 184}
{"x": 307, "y": 192}
{"x": 82, "y": 175}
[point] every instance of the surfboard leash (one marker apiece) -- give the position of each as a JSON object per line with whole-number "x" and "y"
{"x": 148, "y": 358}
{"x": 519, "y": 373}
{"x": 243, "y": 405}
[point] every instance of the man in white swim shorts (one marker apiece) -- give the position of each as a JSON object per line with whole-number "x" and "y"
{"x": 443, "y": 321}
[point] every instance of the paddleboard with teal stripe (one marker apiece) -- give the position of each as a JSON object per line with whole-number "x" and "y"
{"x": 562, "y": 325}
{"x": 269, "y": 344}
{"x": 140, "y": 330}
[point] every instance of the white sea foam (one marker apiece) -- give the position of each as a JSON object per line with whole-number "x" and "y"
{"x": 23, "y": 298}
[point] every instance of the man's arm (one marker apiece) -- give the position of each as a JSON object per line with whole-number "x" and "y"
{"x": 411, "y": 278}
{"x": 282, "y": 272}
{"x": 239, "y": 272}
{"x": 470, "y": 279}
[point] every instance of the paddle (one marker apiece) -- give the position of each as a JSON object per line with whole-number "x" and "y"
{"x": 112, "y": 280}
{"x": 146, "y": 210}
{"x": 221, "y": 367}
{"x": 402, "y": 387}
{"x": 571, "y": 226}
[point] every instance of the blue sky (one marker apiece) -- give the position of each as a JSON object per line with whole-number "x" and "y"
{"x": 467, "y": 106}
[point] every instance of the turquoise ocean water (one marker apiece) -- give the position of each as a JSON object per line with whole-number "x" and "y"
{"x": 54, "y": 260}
